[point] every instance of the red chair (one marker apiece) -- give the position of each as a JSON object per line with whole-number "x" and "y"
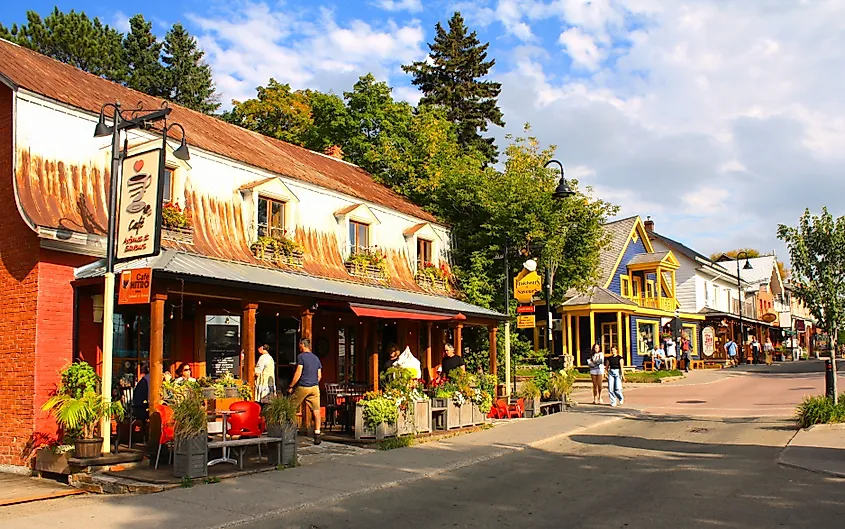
{"x": 517, "y": 410}
{"x": 166, "y": 436}
{"x": 249, "y": 423}
{"x": 501, "y": 407}
{"x": 494, "y": 413}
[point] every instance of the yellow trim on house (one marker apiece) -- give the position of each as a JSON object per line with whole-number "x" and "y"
{"x": 592, "y": 329}
{"x": 693, "y": 336}
{"x": 628, "y": 338}
{"x": 636, "y": 228}
{"x": 625, "y": 285}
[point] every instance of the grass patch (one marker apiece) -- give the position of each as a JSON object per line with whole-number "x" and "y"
{"x": 820, "y": 410}
{"x": 186, "y": 483}
{"x": 640, "y": 377}
{"x": 396, "y": 442}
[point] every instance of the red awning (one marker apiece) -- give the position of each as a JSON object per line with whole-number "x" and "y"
{"x": 402, "y": 314}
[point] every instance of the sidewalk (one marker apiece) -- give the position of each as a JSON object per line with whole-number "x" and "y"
{"x": 21, "y": 489}
{"x": 820, "y": 448}
{"x": 235, "y": 501}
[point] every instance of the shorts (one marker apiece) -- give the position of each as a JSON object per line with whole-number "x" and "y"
{"x": 597, "y": 371}
{"x": 310, "y": 395}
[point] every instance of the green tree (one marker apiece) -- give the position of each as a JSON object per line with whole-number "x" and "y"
{"x": 277, "y": 111}
{"x": 452, "y": 77}
{"x": 143, "y": 53}
{"x": 188, "y": 79}
{"x": 817, "y": 253}
{"x": 72, "y": 38}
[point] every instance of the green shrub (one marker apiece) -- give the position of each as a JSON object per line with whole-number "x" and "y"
{"x": 396, "y": 442}
{"x": 820, "y": 410}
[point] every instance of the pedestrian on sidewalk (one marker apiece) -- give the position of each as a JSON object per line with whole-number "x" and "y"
{"x": 730, "y": 348}
{"x": 306, "y": 380}
{"x": 615, "y": 377}
{"x": 769, "y": 350}
{"x": 685, "y": 352}
{"x": 596, "y": 363}
{"x": 755, "y": 350}
{"x": 265, "y": 374}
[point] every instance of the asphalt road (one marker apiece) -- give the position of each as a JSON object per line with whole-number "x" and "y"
{"x": 671, "y": 464}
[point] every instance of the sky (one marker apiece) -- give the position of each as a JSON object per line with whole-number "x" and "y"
{"x": 720, "y": 119}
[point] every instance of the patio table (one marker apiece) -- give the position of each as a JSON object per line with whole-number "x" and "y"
{"x": 225, "y": 459}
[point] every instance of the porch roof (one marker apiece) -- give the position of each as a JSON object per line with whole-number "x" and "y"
{"x": 598, "y": 296}
{"x": 179, "y": 264}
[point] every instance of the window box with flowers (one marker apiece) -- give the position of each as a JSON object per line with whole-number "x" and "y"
{"x": 433, "y": 277}
{"x": 176, "y": 223}
{"x": 368, "y": 263}
{"x": 280, "y": 250}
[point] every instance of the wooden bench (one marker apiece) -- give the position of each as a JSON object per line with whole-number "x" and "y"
{"x": 240, "y": 446}
{"x": 547, "y": 408}
{"x": 697, "y": 364}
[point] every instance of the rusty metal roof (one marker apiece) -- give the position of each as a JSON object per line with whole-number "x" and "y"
{"x": 182, "y": 264}
{"x": 55, "y": 80}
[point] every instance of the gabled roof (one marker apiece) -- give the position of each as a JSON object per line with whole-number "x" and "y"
{"x": 29, "y": 70}
{"x": 761, "y": 268}
{"x": 619, "y": 233}
{"x": 598, "y": 296}
{"x": 655, "y": 258}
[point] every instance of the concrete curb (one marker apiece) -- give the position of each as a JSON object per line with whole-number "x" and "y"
{"x": 781, "y": 461}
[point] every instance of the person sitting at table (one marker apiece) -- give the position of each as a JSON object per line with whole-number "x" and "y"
{"x": 658, "y": 357}
{"x": 184, "y": 374}
{"x": 451, "y": 361}
{"x": 393, "y": 355}
{"x": 141, "y": 394}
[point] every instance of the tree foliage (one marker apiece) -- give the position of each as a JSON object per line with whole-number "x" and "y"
{"x": 752, "y": 254}
{"x": 187, "y": 79}
{"x": 143, "y": 51}
{"x": 451, "y": 77}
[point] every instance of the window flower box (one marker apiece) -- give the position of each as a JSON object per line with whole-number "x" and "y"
{"x": 368, "y": 263}
{"x": 278, "y": 250}
{"x": 432, "y": 284}
{"x": 176, "y": 223}
{"x": 178, "y": 234}
{"x": 432, "y": 277}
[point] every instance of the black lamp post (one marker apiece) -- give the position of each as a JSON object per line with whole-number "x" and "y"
{"x": 747, "y": 266}
{"x": 122, "y": 120}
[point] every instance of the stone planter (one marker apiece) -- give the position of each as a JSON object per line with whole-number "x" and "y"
{"x": 288, "y": 433}
{"x": 48, "y": 461}
{"x": 183, "y": 235}
{"x": 88, "y": 448}
{"x": 362, "y": 431}
{"x": 367, "y": 272}
{"x": 190, "y": 457}
{"x": 532, "y": 407}
{"x": 288, "y": 259}
{"x": 453, "y": 415}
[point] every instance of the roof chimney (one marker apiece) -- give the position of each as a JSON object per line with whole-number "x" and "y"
{"x": 649, "y": 224}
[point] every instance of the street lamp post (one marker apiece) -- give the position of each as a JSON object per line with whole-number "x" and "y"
{"x": 122, "y": 120}
{"x": 561, "y": 191}
{"x": 747, "y": 266}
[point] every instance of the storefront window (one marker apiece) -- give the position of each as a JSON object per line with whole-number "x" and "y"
{"x": 131, "y": 347}
{"x": 646, "y": 332}
{"x": 347, "y": 357}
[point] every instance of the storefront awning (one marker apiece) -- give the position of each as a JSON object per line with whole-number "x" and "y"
{"x": 381, "y": 312}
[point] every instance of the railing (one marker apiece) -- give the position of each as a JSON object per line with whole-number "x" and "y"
{"x": 666, "y": 304}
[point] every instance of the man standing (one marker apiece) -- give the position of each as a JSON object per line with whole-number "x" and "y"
{"x": 306, "y": 379}
{"x": 265, "y": 374}
{"x": 755, "y": 349}
{"x": 730, "y": 348}
{"x": 451, "y": 361}
{"x": 686, "y": 352}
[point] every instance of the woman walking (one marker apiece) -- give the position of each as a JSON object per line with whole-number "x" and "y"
{"x": 596, "y": 363}
{"x": 615, "y": 377}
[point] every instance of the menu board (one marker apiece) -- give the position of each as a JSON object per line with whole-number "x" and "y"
{"x": 222, "y": 350}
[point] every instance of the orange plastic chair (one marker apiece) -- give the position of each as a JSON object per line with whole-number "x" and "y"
{"x": 501, "y": 407}
{"x": 250, "y": 423}
{"x": 166, "y": 436}
{"x": 517, "y": 410}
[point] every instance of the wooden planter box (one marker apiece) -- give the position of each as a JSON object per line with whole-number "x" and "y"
{"x": 367, "y": 272}
{"x": 363, "y": 432}
{"x": 466, "y": 414}
{"x": 288, "y": 433}
{"x": 477, "y": 416}
{"x": 453, "y": 415}
{"x": 288, "y": 259}
{"x": 429, "y": 283}
{"x": 183, "y": 235}
{"x": 422, "y": 416}
{"x": 415, "y": 420}
{"x": 190, "y": 457}
{"x": 439, "y": 403}
{"x": 48, "y": 461}
{"x": 532, "y": 407}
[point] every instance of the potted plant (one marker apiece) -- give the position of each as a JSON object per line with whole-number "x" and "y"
{"x": 83, "y": 415}
{"x": 375, "y": 414}
{"x": 370, "y": 263}
{"x": 229, "y": 385}
{"x": 176, "y": 223}
{"x": 560, "y": 385}
{"x": 281, "y": 250}
{"x": 190, "y": 432}
{"x": 280, "y": 415}
{"x": 531, "y": 394}
{"x": 209, "y": 390}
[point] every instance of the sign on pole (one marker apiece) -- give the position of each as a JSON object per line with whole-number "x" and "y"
{"x": 526, "y": 286}
{"x": 708, "y": 340}
{"x": 525, "y": 309}
{"x": 139, "y": 207}
{"x": 525, "y": 322}
{"x": 134, "y": 286}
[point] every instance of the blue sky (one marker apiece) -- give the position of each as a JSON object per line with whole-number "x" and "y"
{"x": 717, "y": 118}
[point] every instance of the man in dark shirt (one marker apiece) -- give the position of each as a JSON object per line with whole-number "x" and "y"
{"x": 306, "y": 380}
{"x": 451, "y": 361}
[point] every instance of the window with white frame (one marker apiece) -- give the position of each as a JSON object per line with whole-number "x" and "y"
{"x": 271, "y": 217}
{"x": 359, "y": 236}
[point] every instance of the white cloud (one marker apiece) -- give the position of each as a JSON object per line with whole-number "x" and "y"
{"x": 581, "y": 48}
{"x": 120, "y": 22}
{"x": 414, "y": 6}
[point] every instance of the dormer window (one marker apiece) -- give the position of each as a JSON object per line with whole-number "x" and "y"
{"x": 359, "y": 236}
{"x": 271, "y": 218}
{"x": 424, "y": 251}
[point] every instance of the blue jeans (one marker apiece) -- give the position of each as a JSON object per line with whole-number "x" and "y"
{"x": 614, "y": 385}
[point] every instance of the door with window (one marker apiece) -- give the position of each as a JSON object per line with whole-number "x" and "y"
{"x": 359, "y": 236}
{"x": 271, "y": 218}
{"x": 609, "y": 332}
{"x": 347, "y": 358}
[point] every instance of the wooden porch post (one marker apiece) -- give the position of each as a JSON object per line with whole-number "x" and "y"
{"x": 306, "y": 325}
{"x": 593, "y": 331}
{"x": 577, "y": 347}
{"x": 458, "y": 347}
{"x": 628, "y": 338}
{"x": 199, "y": 341}
{"x": 428, "y": 351}
{"x": 156, "y": 349}
{"x": 568, "y": 322}
{"x": 494, "y": 329}
{"x": 619, "y": 334}
{"x": 248, "y": 342}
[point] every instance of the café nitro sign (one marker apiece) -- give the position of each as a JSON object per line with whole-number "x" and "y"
{"x": 139, "y": 207}
{"x": 135, "y": 286}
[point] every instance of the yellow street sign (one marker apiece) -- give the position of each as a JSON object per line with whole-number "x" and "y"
{"x": 525, "y": 287}
{"x": 524, "y": 321}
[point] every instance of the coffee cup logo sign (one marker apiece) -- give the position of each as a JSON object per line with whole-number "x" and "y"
{"x": 139, "y": 206}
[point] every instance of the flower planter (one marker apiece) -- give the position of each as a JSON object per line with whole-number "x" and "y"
{"x": 208, "y": 393}
{"x": 88, "y": 448}
{"x": 532, "y": 407}
{"x": 177, "y": 234}
{"x": 466, "y": 414}
{"x": 293, "y": 258}
{"x": 422, "y": 416}
{"x": 190, "y": 457}
{"x": 453, "y": 415}
{"x": 366, "y": 271}
{"x": 48, "y": 461}
{"x": 477, "y": 416}
{"x": 288, "y": 433}
{"x": 439, "y": 403}
{"x": 405, "y": 424}
{"x": 362, "y": 431}
{"x": 230, "y": 393}
{"x": 433, "y": 284}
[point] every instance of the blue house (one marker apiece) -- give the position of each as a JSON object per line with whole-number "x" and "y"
{"x": 633, "y": 302}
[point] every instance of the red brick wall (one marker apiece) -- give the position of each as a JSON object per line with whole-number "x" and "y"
{"x": 19, "y": 284}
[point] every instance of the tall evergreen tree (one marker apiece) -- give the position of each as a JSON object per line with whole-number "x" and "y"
{"x": 188, "y": 79}
{"x": 72, "y": 38}
{"x": 143, "y": 51}
{"x": 452, "y": 78}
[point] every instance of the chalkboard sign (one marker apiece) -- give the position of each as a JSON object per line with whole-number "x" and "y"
{"x": 222, "y": 350}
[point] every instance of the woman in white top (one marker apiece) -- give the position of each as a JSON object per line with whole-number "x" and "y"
{"x": 596, "y": 363}
{"x": 265, "y": 374}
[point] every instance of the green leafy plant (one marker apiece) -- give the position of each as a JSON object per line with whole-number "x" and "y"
{"x": 378, "y": 409}
{"x": 245, "y": 392}
{"x": 560, "y": 384}
{"x": 189, "y": 413}
{"x": 186, "y": 483}
{"x": 396, "y": 442}
{"x": 280, "y": 247}
{"x": 227, "y": 381}
{"x": 173, "y": 216}
{"x": 364, "y": 258}
{"x": 820, "y": 410}
{"x": 211, "y": 480}
{"x": 279, "y": 410}
{"x": 529, "y": 390}
{"x": 82, "y": 414}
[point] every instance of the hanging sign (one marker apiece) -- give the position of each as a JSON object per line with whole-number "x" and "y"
{"x": 526, "y": 286}
{"x": 139, "y": 207}
{"x": 525, "y": 322}
{"x": 525, "y": 309}
{"x": 708, "y": 341}
{"x": 134, "y": 286}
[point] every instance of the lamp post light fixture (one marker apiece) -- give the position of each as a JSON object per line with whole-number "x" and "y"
{"x": 747, "y": 266}
{"x": 122, "y": 120}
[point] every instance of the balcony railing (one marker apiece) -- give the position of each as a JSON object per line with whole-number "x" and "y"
{"x": 667, "y": 304}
